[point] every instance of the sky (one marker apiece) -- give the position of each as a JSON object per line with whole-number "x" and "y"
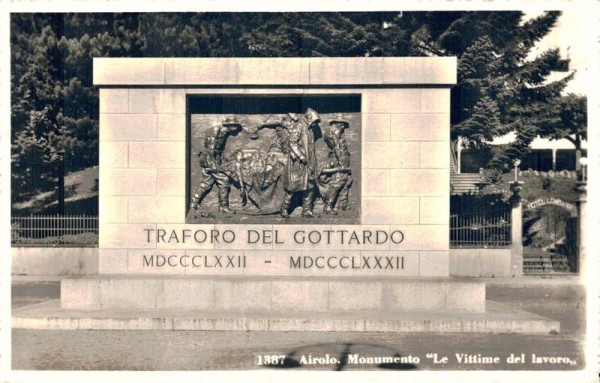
{"x": 571, "y": 37}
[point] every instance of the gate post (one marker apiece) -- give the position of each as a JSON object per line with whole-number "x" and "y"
{"x": 581, "y": 189}
{"x": 516, "y": 229}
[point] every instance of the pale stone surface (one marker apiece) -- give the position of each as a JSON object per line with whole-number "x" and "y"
{"x": 124, "y": 236}
{"x": 54, "y": 261}
{"x": 128, "y": 127}
{"x": 440, "y": 296}
{"x": 151, "y": 122}
{"x": 233, "y": 90}
{"x": 435, "y": 100}
{"x": 419, "y": 70}
{"x": 346, "y": 70}
{"x": 79, "y": 293}
{"x": 375, "y": 127}
{"x": 182, "y": 236}
{"x": 415, "y": 297}
{"x": 128, "y": 71}
{"x": 355, "y": 296}
{"x": 156, "y": 100}
{"x": 114, "y": 100}
{"x": 154, "y": 261}
{"x": 434, "y": 210}
{"x": 434, "y": 263}
{"x": 113, "y": 209}
{"x": 299, "y": 296}
{"x": 316, "y": 325}
{"x": 282, "y": 91}
{"x": 389, "y": 261}
{"x": 125, "y": 293}
{"x": 420, "y": 127}
{"x": 206, "y": 262}
{"x": 420, "y": 182}
{"x": 165, "y": 154}
{"x": 179, "y": 294}
{"x": 279, "y": 295}
{"x": 273, "y": 71}
{"x": 201, "y": 71}
{"x": 114, "y": 154}
{"x": 171, "y": 127}
{"x": 480, "y": 262}
{"x": 360, "y": 237}
{"x": 390, "y": 155}
{"x": 390, "y": 210}
{"x": 337, "y": 259}
{"x": 243, "y": 295}
{"x": 300, "y": 238}
{"x": 392, "y": 101}
{"x": 423, "y": 237}
{"x": 435, "y": 155}
{"x": 170, "y": 182}
{"x": 112, "y": 261}
{"x": 269, "y": 263}
{"x": 375, "y": 182}
{"x": 262, "y": 237}
{"x": 499, "y": 319}
{"x": 191, "y": 71}
{"x": 127, "y": 182}
{"x": 466, "y": 297}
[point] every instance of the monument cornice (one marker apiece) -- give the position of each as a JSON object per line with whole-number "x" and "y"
{"x": 300, "y": 72}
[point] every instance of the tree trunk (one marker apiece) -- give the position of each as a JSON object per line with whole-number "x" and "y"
{"x": 577, "y": 152}
{"x": 61, "y": 188}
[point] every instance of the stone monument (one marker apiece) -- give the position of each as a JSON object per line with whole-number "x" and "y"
{"x": 277, "y": 194}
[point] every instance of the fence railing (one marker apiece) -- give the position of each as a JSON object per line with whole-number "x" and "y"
{"x": 490, "y": 228}
{"x": 54, "y": 230}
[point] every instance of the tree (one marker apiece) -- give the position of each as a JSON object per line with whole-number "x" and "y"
{"x": 571, "y": 123}
{"x": 500, "y": 89}
{"x": 37, "y": 146}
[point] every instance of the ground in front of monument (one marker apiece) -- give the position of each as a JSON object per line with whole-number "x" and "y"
{"x": 558, "y": 298}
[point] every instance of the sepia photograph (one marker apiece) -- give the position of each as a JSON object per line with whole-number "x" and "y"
{"x": 388, "y": 193}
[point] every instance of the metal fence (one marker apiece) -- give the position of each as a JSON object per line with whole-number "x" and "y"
{"x": 54, "y": 230}
{"x": 489, "y": 228}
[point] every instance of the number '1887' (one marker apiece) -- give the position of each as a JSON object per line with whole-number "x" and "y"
{"x": 262, "y": 360}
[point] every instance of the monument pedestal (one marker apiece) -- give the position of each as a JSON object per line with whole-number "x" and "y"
{"x": 273, "y": 304}
{"x": 254, "y": 294}
{"x": 113, "y": 302}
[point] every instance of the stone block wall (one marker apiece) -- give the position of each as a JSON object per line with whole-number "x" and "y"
{"x": 405, "y": 168}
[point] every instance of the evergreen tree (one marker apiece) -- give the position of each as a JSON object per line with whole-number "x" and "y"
{"x": 499, "y": 88}
{"x": 571, "y": 123}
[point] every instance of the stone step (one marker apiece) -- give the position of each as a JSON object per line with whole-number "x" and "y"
{"x": 273, "y": 294}
{"x": 464, "y": 182}
{"x": 497, "y": 318}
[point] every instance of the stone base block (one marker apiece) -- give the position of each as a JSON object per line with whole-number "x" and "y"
{"x": 271, "y": 294}
{"x": 498, "y": 318}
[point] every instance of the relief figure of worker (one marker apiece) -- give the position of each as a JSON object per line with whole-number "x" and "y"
{"x": 335, "y": 178}
{"x": 210, "y": 160}
{"x": 300, "y": 172}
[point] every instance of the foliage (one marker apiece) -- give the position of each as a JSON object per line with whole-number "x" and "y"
{"x": 501, "y": 88}
{"x": 560, "y": 187}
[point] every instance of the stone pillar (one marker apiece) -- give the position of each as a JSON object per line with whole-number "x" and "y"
{"x": 458, "y": 154}
{"x": 516, "y": 229}
{"x": 581, "y": 227}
